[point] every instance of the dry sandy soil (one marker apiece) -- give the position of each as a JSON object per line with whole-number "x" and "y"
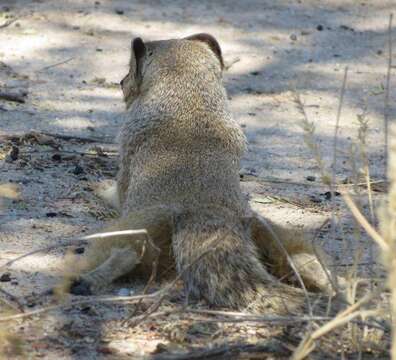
{"x": 65, "y": 60}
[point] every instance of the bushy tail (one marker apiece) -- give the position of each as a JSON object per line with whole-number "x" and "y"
{"x": 219, "y": 263}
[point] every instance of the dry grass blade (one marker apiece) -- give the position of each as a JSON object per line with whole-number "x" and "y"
{"x": 364, "y": 223}
{"x": 362, "y": 137}
{"x": 307, "y": 345}
{"x": 291, "y": 263}
{"x": 152, "y": 275}
{"x": 79, "y": 241}
{"x": 161, "y": 294}
{"x": 11, "y": 300}
{"x": 388, "y": 230}
{"x": 56, "y": 64}
{"x": 229, "y": 351}
{"x": 333, "y": 182}
{"x": 232, "y": 316}
{"x": 8, "y": 22}
{"x": 309, "y": 139}
{"x": 86, "y": 300}
{"x": 137, "y": 320}
{"x": 388, "y": 75}
{"x": 336, "y": 129}
{"x": 12, "y": 96}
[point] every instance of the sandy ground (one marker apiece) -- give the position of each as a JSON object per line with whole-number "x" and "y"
{"x": 68, "y": 57}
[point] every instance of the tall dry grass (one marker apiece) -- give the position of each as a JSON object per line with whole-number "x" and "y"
{"x": 388, "y": 231}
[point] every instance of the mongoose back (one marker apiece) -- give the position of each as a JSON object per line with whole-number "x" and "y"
{"x": 180, "y": 153}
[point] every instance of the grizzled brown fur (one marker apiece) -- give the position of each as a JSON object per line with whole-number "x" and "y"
{"x": 180, "y": 153}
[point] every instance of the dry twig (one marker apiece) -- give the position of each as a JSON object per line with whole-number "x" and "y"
{"x": 307, "y": 345}
{"x": 388, "y": 75}
{"x": 82, "y": 139}
{"x": 13, "y": 96}
{"x": 291, "y": 263}
{"x": 333, "y": 182}
{"x": 56, "y": 64}
{"x": 11, "y": 301}
{"x": 36, "y": 134}
{"x": 79, "y": 241}
{"x": 8, "y": 23}
{"x": 229, "y": 351}
{"x": 364, "y": 223}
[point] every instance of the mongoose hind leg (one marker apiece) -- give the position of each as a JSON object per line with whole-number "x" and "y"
{"x": 120, "y": 262}
{"x": 272, "y": 240}
{"x": 107, "y": 259}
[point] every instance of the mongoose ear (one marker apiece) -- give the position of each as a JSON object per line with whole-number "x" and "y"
{"x": 139, "y": 50}
{"x": 211, "y": 42}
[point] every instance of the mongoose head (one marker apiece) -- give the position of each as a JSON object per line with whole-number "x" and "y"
{"x": 151, "y": 60}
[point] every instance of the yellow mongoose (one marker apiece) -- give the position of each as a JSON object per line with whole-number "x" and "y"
{"x": 180, "y": 151}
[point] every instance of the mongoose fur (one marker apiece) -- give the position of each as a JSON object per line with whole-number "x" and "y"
{"x": 180, "y": 152}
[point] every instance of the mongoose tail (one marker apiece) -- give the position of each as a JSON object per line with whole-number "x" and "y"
{"x": 220, "y": 264}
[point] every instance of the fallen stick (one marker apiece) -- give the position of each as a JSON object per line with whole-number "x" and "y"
{"x": 249, "y": 178}
{"x": 228, "y": 351}
{"x": 82, "y": 139}
{"x": 11, "y": 301}
{"x": 78, "y": 138}
{"x": 15, "y": 97}
{"x": 8, "y": 23}
{"x": 86, "y": 300}
{"x": 79, "y": 241}
{"x": 56, "y": 64}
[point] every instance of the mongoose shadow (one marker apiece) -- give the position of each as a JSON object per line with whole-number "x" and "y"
{"x": 180, "y": 152}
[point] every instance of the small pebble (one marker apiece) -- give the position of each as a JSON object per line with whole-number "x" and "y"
{"x": 79, "y": 250}
{"x": 56, "y": 157}
{"x": 78, "y": 170}
{"x": 123, "y": 292}
{"x": 315, "y": 199}
{"x": 5, "y": 277}
{"x": 319, "y": 27}
{"x": 119, "y": 11}
{"x": 248, "y": 171}
{"x": 327, "y": 194}
{"x": 311, "y": 178}
{"x": 51, "y": 214}
{"x": 293, "y": 37}
{"x": 345, "y": 27}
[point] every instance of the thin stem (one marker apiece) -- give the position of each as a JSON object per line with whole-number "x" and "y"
{"x": 388, "y": 76}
